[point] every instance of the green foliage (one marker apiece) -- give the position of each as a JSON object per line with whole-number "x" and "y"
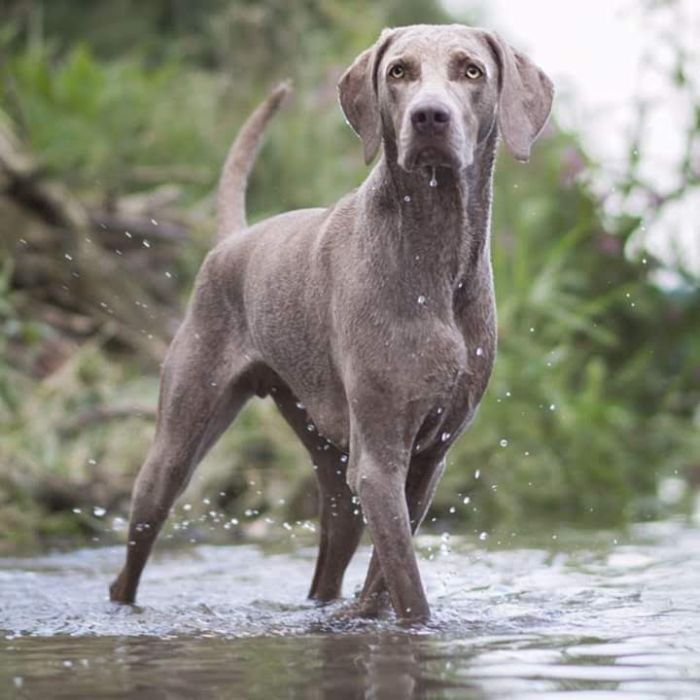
{"x": 572, "y": 426}
{"x": 116, "y": 127}
{"x": 597, "y": 377}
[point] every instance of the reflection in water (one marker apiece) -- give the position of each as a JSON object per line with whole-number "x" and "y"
{"x": 588, "y": 617}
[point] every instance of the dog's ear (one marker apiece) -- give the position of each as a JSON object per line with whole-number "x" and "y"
{"x": 357, "y": 90}
{"x": 525, "y": 98}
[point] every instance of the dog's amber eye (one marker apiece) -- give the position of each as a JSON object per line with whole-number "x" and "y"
{"x": 473, "y": 72}
{"x": 397, "y": 72}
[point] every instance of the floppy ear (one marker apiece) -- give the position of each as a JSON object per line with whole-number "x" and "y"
{"x": 357, "y": 90}
{"x": 525, "y": 98}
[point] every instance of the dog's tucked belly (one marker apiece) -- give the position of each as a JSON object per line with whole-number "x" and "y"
{"x": 326, "y": 417}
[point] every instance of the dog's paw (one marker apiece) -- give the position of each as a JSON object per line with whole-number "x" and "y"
{"x": 117, "y": 593}
{"x": 363, "y": 609}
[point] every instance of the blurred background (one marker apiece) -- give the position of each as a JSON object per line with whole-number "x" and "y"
{"x": 115, "y": 117}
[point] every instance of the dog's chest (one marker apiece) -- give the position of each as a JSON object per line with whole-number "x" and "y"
{"x": 452, "y": 411}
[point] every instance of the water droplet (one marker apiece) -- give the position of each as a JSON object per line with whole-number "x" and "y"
{"x": 98, "y": 511}
{"x": 552, "y": 407}
{"x": 439, "y": 410}
{"x": 406, "y": 198}
{"x": 503, "y": 443}
{"x": 452, "y": 509}
{"x": 466, "y": 500}
{"x": 483, "y": 536}
{"x": 344, "y": 459}
{"x": 433, "y": 180}
{"x": 479, "y": 352}
{"x": 146, "y": 244}
{"x": 300, "y": 405}
{"x": 421, "y": 300}
{"x": 445, "y": 436}
{"x": 477, "y": 473}
{"x": 68, "y": 257}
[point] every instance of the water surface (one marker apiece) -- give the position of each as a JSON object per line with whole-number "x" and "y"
{"x": 571, "y": 615}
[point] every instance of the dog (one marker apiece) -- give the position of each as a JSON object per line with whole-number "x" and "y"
{"x": 370, "y": 323}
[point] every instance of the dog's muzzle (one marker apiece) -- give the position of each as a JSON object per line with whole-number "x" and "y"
{"x": 429, "y": 137}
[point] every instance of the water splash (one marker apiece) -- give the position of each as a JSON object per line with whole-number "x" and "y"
{"x": 433, "y": 179}
{"x": 506, "y": 621}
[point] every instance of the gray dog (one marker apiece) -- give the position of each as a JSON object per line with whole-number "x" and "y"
{"x": 371, "y": 323}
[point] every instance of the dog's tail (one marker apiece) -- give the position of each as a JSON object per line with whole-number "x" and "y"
{"x": 240, "y": 161}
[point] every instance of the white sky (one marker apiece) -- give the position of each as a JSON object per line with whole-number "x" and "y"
{"x": 600, "y": 54}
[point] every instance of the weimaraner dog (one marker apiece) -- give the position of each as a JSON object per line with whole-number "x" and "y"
{"x": 370, "y": 323}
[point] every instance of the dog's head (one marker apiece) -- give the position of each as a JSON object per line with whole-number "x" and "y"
{"x": 436, "y": 92}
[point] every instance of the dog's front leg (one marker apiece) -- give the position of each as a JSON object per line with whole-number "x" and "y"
{"x": 378, "y": 477}
{"x": 423, "y": 477}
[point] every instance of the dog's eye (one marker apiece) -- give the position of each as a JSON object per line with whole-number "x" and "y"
{"x": 473, "y": 72}
{"x": 397, "y": 72}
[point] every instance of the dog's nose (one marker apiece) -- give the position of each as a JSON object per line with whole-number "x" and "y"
{"x": 430, "y": 120}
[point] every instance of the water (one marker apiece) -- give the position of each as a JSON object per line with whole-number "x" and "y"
{"x": 571, "y": 615}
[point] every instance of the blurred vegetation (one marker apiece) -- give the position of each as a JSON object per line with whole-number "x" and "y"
{"x": 114, "y": 120}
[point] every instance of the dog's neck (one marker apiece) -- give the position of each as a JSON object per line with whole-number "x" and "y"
{"x": 436, "y": 234}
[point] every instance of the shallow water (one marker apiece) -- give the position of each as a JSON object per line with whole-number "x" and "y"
{"x": 576, "y": 615}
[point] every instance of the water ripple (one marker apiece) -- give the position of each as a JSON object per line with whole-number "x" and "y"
{"x": 571, "y": 620}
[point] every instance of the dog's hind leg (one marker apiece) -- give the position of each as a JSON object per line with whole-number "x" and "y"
{"x": 340, "y": 515}
{"x": 205, "y": 382}
{"x": 341, "y": 528}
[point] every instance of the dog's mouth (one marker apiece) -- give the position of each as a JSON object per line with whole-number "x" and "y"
{"x": 430, "y": 156}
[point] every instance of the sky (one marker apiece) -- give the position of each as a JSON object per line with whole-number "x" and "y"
{"x": 603, "y": 57}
